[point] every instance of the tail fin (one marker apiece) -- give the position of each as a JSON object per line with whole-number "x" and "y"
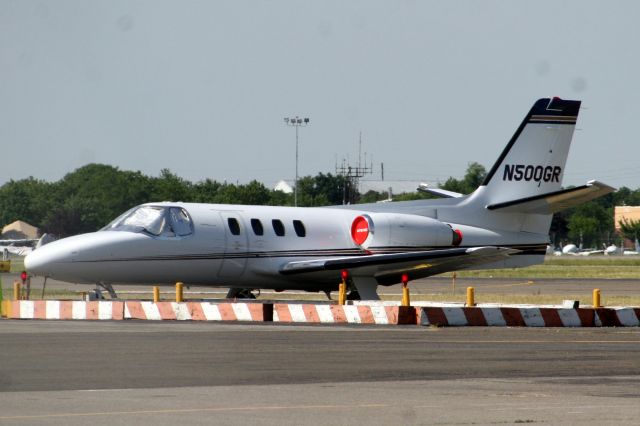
{"x": 533, "y": 162}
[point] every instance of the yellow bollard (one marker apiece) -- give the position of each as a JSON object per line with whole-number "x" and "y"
{"x": 596, "y": 297}
{"x": 156, "y": 294}
{"x": 406, "y": 299}
{"x": 342, "y": 288}
{"x": 16, "y": 290}
{"x": 342, "y": 293}
{"x": 179, "y": 292}
{"x": 470, "y": 296}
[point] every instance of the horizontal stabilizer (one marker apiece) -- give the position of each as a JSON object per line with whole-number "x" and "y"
{"x": 388, "y": 268}
{"x": 442, "y": 193}
{"x": 556, "y": 201}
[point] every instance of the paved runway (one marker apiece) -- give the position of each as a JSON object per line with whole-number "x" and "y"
{"x": 200, "y": 373}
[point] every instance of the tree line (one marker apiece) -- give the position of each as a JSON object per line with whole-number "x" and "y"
{"x": 90, "y": 197}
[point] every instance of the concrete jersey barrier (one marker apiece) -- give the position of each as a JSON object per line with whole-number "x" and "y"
{"x": 529, "y": 317}
{"x": 315, "y": 313}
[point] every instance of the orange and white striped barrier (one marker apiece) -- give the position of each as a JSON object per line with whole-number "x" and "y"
{"x": 197, "y": 311}
{"x": 310, "y": 313}
{"x": 529, "y": 316}
{"x": 65, "y": 310}
{"x": 345, "y": 314}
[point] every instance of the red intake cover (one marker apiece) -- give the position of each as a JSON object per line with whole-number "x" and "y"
{"x": 360, "y": 230}
{"x": 457, "y": 237}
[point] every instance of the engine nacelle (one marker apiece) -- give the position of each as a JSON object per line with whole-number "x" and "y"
{"x": 375, "y": 230}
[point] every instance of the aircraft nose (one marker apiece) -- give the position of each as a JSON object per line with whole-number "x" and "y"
{"x": 82, "y": 258}
{"x": 41, "y": 261}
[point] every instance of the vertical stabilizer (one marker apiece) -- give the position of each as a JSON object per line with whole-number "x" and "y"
{"x": 534, "y": 159}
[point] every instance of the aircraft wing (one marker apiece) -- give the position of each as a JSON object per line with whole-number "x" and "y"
{"x": 387, "y": 268}
{"x": 553, "y": 202}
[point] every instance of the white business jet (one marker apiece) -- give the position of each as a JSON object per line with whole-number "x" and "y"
{"x": 502, "y": 224}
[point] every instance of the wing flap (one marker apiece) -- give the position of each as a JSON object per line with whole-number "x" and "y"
{"x": 553, "y": 202}
{"x": 387, "y": 268}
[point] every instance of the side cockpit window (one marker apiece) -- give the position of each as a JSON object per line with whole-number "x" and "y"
{"x": 180, "y": 221}
{"x": 155, "y": 220}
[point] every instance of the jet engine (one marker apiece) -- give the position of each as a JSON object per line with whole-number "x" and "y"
{"x": 376, "y": 230}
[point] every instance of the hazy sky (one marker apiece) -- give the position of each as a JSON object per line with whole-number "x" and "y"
{"x": 201, "y": 87}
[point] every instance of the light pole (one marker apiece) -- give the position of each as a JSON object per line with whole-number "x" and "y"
{"x": 297, "y": 123}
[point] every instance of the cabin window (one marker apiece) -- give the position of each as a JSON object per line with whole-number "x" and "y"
{"x": 278, "y": 227}
{"x": 257, "y": 227}
{"x": 234, "y": 226}
{"x": 299, "y": 228}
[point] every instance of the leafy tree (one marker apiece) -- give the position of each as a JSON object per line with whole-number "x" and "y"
{"x": 309, "y": 193}
{"x": 170, "y": 187}
{"x": 455, "y": 185}
{"x": 409, "y": 196}
{"x": 321, "y": 190}
{"x": 372, "y": 196}
{"x": 630, "y": 229}
{"x": 591, "y": 222}
{"x": 582, "y": 229}
{"x": 625, "y": 197}
{"x": 473, "y": 177}
{"x": 76, "y": 215}
{"x": 253, "y": 193}
{"x": 96, "y": 194}
{"x": 205, "y": 191}
{"x": 26, "y": 199}
{"x": 280, "y": 198}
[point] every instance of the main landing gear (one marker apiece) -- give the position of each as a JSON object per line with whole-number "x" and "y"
{"x": 96, "y": 294}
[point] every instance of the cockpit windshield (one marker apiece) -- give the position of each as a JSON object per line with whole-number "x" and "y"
{"x": 155, "y": 220}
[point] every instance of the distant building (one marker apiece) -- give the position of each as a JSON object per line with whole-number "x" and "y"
{"x": 625, "y": 213}
{"x": 284, "y": 187}
{"x": 20, "y": 230}
{"x": 630, "y": 213}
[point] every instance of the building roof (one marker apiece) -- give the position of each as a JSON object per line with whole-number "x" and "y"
{"x": 19, "y": 230}
{"x": 284, "y": 187}
{"x": 620, "y": 213}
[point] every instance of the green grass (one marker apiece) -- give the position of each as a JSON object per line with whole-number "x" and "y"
{"x": 17, "y": 265}
{"x": 598, "y": 267}
{"x": 524, "y": 299}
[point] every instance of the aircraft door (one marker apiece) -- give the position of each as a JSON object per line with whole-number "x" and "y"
{"x": 236, "y": 245}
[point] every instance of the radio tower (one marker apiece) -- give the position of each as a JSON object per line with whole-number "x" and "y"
{"x": 352, "y": 174}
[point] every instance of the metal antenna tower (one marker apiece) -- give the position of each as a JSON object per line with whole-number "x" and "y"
{"x": 352, "y": 174}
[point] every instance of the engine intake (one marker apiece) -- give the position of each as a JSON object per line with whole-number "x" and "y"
{"x": 377, "y": 230}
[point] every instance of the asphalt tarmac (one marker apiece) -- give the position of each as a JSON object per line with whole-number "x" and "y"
{"x": 132, "y": 372}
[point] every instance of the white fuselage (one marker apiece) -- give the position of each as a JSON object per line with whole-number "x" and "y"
{"x": 213, "y": 255}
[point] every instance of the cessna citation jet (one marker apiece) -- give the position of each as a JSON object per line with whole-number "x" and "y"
{"x": 502, "y": 224}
